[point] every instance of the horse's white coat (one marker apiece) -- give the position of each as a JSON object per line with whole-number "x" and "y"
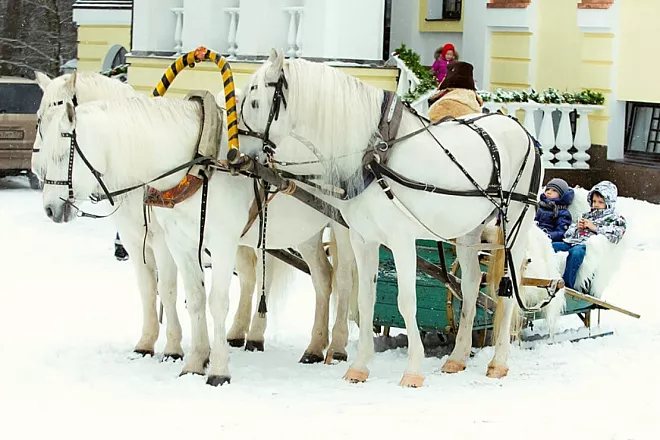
{"x": 134, "y": 155}
{"x": 338, "y": 115}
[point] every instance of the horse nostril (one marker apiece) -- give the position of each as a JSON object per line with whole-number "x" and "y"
{"x": 49, "y": 212}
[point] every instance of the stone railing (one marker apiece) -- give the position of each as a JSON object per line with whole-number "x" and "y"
{"x": 294, "y": 36}
{"x": 562, "y": 147}
{"x": 408, "y": 81}
{"x": 178, "y": 30}
{"x": 232, "y": 45}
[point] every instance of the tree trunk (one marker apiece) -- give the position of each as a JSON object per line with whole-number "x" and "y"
{"x": 12, "y": 26}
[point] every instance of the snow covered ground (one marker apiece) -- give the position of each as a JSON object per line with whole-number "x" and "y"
{"x": 70, "y": 315}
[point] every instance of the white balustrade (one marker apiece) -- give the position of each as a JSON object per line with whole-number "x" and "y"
{"x": 294, "y": 37}
{"x": 232, "y": 44}
{"x": 562, "y": 139}
{"x": 582, "y": 141}
{"x": 178, "y": 30}
{"x": 408, "y": 81}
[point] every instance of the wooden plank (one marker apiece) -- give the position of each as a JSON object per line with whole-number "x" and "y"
{"x": 599, "y": 302}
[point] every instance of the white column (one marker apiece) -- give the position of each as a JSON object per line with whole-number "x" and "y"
{"x": 205, "y": 23}
{"x": 154, "y": 25}
{"x": 547, "y": 135}
{"x": 344, "y": 29}
{"x": 178, "y": 30}
{"x": 564, "y": 137}
{"x": 234, "y": 17}
{"x": 583, "y": 136}
{"x": 529, "y": 121}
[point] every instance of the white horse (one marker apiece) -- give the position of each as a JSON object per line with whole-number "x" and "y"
{"x": 335, "y": 118}
{"x": 134, "y": 155}
{"x": 155, "y": 270}
{"x": 245, "y": 331}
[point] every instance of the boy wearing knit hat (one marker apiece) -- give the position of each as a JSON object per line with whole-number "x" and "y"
{"x": 553, "y": 216}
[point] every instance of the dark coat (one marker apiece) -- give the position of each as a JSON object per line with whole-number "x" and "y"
{"x": 553, "y": 216}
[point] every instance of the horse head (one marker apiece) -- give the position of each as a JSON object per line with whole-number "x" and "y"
{"x": 264, "y": 103}
{"x": 74, "y": 88}
{"x": 69, "y": 174}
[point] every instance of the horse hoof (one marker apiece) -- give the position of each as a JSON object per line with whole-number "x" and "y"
{"x": 254, "y": 346}
{"x": 214, "y": 381}
{"x": 310, "y": 358}
{"x": 412, "y": 381}
{"x": 356, "y": 376}
{"x": 236, "y": 343}
{"x": 186, "y": 372}
{"x": 497, "y": 371}
{"x": 172, "y": 357}
{"x": 336, "y": 356}
{"x": 144, "y": 352}
{"x": 452, "y": 366}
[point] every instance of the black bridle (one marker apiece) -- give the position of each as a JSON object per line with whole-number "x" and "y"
{"x": 75, "y": 147}
{"x": 279, "y": 100}
{"x": 74, "y": 102}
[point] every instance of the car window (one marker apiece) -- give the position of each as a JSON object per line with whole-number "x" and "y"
{"x": 19, "y": 98}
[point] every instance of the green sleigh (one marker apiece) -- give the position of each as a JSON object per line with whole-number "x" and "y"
{"x": 439, "y": 307}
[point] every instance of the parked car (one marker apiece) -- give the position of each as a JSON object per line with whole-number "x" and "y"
{"x": 19, "y": 102}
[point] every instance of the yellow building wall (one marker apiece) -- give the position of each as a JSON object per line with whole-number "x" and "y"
{"x": 94, "y": 42}
{"x": 639, "y": 68}
{"x": 145, "y": 73}
{"x": 510, "y": 60}
{"x": 559, "y": 55}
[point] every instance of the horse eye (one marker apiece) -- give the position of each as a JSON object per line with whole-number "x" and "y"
{"x": 255, "y": 104}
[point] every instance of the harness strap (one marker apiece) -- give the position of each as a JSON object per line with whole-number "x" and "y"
{"x": 202, "y": 218}
{"x": 200, "y": 160}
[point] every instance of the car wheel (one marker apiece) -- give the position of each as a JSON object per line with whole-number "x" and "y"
{"x": 35, "y": 183}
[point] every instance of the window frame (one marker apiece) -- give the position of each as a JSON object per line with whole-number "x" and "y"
{"x": 458, "y": 5}
{"x": 632, "y": 108}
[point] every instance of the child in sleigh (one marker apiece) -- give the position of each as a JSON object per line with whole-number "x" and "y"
{"x": 601, "y": 220}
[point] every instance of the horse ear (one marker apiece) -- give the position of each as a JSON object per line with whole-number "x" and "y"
{"x": 273, "y": 55}
{"x": 277, "y": 62}
{"x": 71, "y": 113}
{"x": 42, "y": 80}
{"x": 71, "y": 82}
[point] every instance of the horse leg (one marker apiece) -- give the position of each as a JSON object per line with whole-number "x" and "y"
{"x": 366, "y": 257}
{"x": 404, "y": 252}
{"x": 224, "y": 250}
{"x": 145, "y": 272}
{"x": 468, "y": 258}
{"x": 343, "y": 278}
{"x": 184, "y": 251}
{"x": 321, "y": 272}
{"x": 255, "y": 337}
{"x": 167, "y": 289}
{"x": 246, "y": 260}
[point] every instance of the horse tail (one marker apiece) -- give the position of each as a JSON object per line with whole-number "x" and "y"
{"x": 495, "y": 272}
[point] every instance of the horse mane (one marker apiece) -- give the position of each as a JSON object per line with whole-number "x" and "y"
{"x": 90, "y": 86}
{"x": 126, "y": 127}
{"x": 336, "y": 112}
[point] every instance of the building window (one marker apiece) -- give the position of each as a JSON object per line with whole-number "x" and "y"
{"x": 443, "y": 10}
{"x": 642, "y": 131}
